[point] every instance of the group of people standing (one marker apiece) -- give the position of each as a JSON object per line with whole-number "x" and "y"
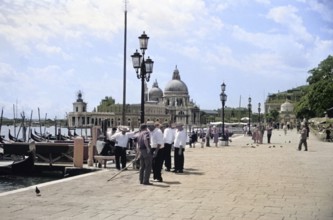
{"x": 259, "y": 131}
{"x": 154, "y": 144}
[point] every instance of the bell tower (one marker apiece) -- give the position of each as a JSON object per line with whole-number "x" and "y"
{"x": 79, "y": 105}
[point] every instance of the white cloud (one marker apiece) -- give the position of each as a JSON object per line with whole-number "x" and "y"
{"x": 324, "y": 8}
{"x": 54, "y": 48}
{"x": 287, "y": 16}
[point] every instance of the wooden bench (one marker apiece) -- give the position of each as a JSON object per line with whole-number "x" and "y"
{"x": 103, "y": 159}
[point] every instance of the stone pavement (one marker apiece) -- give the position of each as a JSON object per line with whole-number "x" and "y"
{"x": 241, "y": 181}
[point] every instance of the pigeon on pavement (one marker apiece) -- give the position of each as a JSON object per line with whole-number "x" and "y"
{"x": 37, "y": 191}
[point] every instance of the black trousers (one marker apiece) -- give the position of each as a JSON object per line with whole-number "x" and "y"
{"x": 302, "y": 141}
{"x": 269, "y": 138}
{"x": 120, "y": 153}
{"x": 158, "y": 163}
{"x": 167, "y": 155}
{"x": 179, "y": 159}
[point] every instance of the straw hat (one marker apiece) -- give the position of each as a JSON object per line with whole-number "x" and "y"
{"x": 123, "y": 128}
{"x": 150, "y": 123}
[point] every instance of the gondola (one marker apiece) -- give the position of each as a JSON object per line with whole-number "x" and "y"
{"x": 49, "y": 137}
{"x": 3, "y": 140}
{"x": 36, "y": 137}
{"x": 23, "y": 167}
{"x": 12, "y": 138}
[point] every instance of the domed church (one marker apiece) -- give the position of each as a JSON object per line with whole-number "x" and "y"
{"x": 177, "y": 101}
{"x": 155, "y": 94}
{"x": 287, "y": 115}
{"x": 172, "y": 106}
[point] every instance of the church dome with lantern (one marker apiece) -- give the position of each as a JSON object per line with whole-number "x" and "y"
{"x": 155, "y": 93}
{"x": 176, "y": 85}
{"x": 287, "y": 107}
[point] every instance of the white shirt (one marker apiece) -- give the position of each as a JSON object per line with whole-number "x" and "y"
{"x": 99, "y": 146}
{"x": 180, "y": 138}
{"x": 169, "y": 135}
{"x": 156, "y": 137}
{"x": 121, "y": 139}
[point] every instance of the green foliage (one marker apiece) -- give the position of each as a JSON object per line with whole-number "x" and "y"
{"x": 321, "y": 96}
{"x": 318, "y": 94}
{"x": 273, "y": 115}
{"x": 324, "y": 71}
{"x": 105, "y": 104}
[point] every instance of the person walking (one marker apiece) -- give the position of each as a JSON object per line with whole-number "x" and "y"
{"x": 168, "y": 138}
{"x": 157, "y": 147}
{"x": 121, "y": 140}
{"x": 208, "y": 135}
{"x": 193, "y": 139}
{"x": 269, "y": 130}
{"x": 179, "y": 145}
{"x": 216, "y": 136}
{"x": 285, "y": 129}
{"x": 144, "y": 149}
{"x": 303, "y": 138}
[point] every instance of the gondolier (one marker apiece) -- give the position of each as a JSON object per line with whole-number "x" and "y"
{"x": 144, "y": 149}
{"x": 121, "y": 139}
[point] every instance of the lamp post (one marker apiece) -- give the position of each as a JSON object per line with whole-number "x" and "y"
{"x": 259, "y": 109}
{"x": 223, "y": 98}
{"x": 249, "y": 107}
{"x": 145, "y": 67}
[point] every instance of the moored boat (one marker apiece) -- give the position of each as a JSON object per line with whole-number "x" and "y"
{"x": 12, "y": 138}
{"x": 24, "y": 166}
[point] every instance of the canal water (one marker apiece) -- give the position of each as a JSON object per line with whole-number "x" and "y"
{"x": 11, "y": 182}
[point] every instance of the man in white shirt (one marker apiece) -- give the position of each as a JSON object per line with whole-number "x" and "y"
{"x": 121, "y": 139}
{"x": 168, "y": 137}
{"x": 157, "y": 146}
{"x": 179, "y": 145}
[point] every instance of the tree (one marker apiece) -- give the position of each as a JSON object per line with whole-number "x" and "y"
{"x": 273, "y": 115}
{"x": 324, "y": 71}
{"x": 321, "y": 97}
{"x": 105, "y": 104}
{"x": 318, "y": 96}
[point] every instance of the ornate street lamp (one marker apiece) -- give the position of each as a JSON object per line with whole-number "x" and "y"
{"x": 259, "y": 109}
{"x": 145, "y": 67}
{"x": 249, "y": 107}
{"x": 223, "y": 98}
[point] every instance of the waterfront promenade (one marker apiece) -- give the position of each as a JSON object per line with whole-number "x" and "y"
{"x": 265, "y": 182}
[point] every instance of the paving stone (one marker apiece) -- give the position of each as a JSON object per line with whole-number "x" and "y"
{"x": 234, "y": 182}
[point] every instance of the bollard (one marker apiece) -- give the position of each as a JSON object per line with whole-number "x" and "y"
{"x": 78, "y": 152}
{"x": 90, "y": 154}
{"x": 92, "y": 144}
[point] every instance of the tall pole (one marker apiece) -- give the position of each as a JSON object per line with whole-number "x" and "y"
{"x": 249, "y": 106}
{"x": 259, "y": 109}
{"x": 223, "y": 98}
{"x": 124, "y": 81}
{"x": 223, "y": 119}
{"x": 142, "y": 116}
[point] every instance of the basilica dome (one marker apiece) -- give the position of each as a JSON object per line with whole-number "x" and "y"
{"x": 287, "y": 107}
{"x": 155, "y": 94}
{"x": 176, "y": 84}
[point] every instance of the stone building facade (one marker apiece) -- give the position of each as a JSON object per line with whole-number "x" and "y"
{"x": 171, "y": 106}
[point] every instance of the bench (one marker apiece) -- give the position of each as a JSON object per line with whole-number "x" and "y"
{"x": 103, "y": 159}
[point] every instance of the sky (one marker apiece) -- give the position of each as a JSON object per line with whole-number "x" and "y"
{"x": 51, "y": 49}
